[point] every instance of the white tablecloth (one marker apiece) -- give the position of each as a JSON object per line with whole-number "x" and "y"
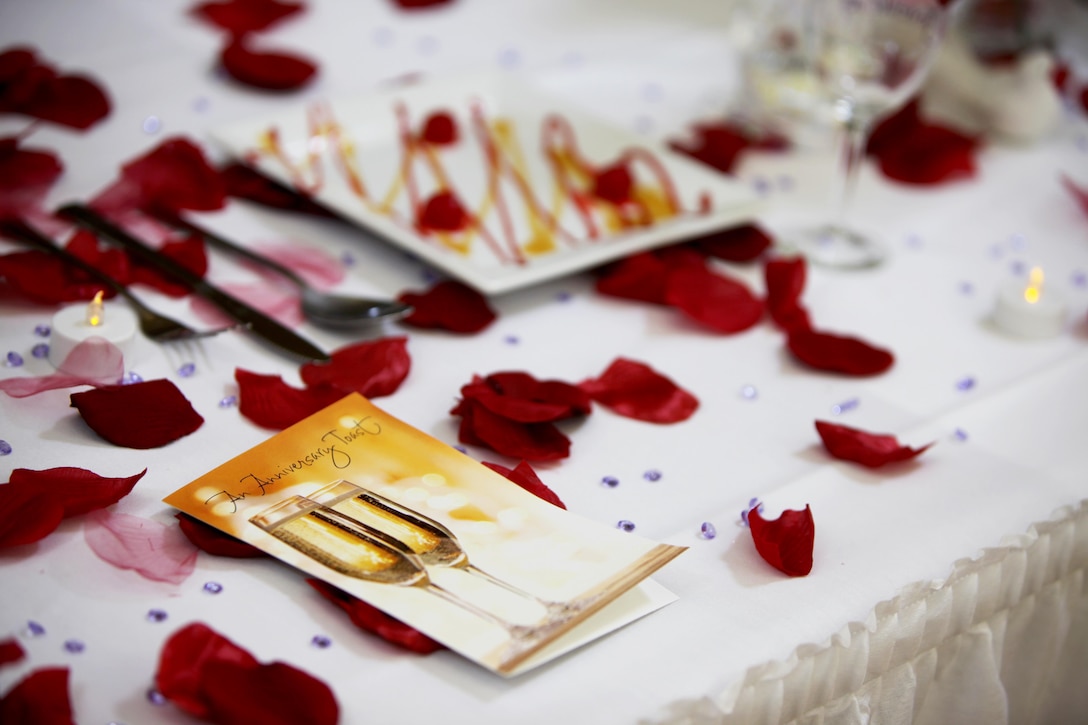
{"x": 948, "y": 590}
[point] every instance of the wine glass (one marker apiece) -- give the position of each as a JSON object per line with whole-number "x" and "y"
{"x": 341, "y": 544}
{"x": 869, "y": 57}
{"x": 433, "y": 543}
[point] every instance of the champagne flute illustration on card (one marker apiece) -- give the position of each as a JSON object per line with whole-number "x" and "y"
{"x": 432, "y": 542}
{"x": 349, "y": 548}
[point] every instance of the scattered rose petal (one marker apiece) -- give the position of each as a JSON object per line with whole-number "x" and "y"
{"x": 448, "y": 305}
{"x": 373, "y": 368}
{"x": 243, "y": 182}
{"x": 33, "y": 88}
{"x": 94, "y": 361}
{"x": 836, "y": 353}
{"x": 373, "y": 620}
{"x": 419, "y": 4}
{"x": 785, "y": 280}
{"x": 719, "y": 302}
{"x": 869, "y": 449}
{"x": 529, "y": 441}
{"x": 42, "y": 278}
{"x": 443, "y": 212}
{"x": 268, "y": 70}
{"x": 210, "y": 677}
{"x": 244, "y": 16}
{"x": 26, "y": 515}
{"x": 10, "y": 651}
{"x": 1079, "y": 193}
{"x": 40, "y": 698}
{"x": 152, "y": 550}
{"x": 522, "y": 398}
{"x": 738, "y": 244}
{"x": 26, "y": 176}
{"x": 635, "y": 390}
{"x": 720, "y": 144}
{"x": 271, "y": 403}
{"x": 440, "y": 129}
{"x": 142, "y": 415}
{"x": 78, "y": 490}
{"x": 643, "y": 276}
{"x": 786, "y": 542}
{"x": 524, "y": 476}
{"x": 914, "y": 151}
{"x": 215, "y": 542}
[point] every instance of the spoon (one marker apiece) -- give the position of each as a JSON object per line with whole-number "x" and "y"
{"x": 322, "y": 308}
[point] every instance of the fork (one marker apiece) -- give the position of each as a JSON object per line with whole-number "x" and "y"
{"x": 153, "y": 325}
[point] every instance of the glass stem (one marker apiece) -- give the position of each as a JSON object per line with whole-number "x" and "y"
{"x": 854, "y": 136}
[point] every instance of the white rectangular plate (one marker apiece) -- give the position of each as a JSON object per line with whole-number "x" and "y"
{"x": 528, "y": 227}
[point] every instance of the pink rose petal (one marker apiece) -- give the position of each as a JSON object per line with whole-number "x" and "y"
{"x": 92, "y": 362}
{"x": 154, "y": 551}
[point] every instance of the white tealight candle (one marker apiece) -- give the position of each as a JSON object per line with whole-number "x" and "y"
{"x": 1027, "y": 310}
{"x": 72, "y": 325}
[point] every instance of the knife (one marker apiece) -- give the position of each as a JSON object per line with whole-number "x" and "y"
{"x": 256, "y": 322}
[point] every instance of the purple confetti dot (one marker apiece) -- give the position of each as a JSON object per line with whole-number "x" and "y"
{"x": 707, "y": 531}
{"x": 187, "y": 370}
{"x": 652, "y": 475}
{"x": 652, "y": 92}
{"x": 43, "y": 330}
{"x": 156, "y": 615}
{"x": 320, "y": 641}
{"x": 429, "y": 275}
{"x": 33, "y": 629}
{"x": 754, "y": 504}
{"x": 966, "y": 383}
{"x": 1018, "y": 242}
{"x": 14, "y": 359}
{"x": 347, "y": 259}
{"x": 1018, "y": 267}
{"x": 996, "y": 251}
{"x": 967, "y": 288}
{"x": 201, "y": 104}
{"x": 151, "y": 125}
{"x": 131, "y": 377}
{"x": 383, "y": 36}
{"x": 5, "y": 448}
{"x": 1082, "y": 143}
{"x": 228, "y": 402}
{"x": 511, "y": 340}
{"x": 845, "y": 406}
{"x": 960, "y": 434}
{"x": 461, "y": 449}
{"x": 761, "y": 185}
{"x": 749, "y": 392}
{"x": 155, "y": 697}
{"x": 40, "y": 351}
{"x": 563, "y": 296}
{"x": 74, "y": 646}
{"x": 786, "y": 182}
{"x": 510, "y": 58}
{"x": 914, "y": 241}
{"x": 213, "y": 587}
{"x": 625, "y": 525}
{"x": 1079, "y": 279}
{"x": 610, "y": 481}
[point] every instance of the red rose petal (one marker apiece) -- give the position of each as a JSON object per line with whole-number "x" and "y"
{"x": 40, "y": 698}
{"x": 836, "y": 353}
{"x": 42, "y": 278}
{"x": 643, "y": 276}
{"x": 439, "y": 129}
{"x": 10, "y": 651}
{"x": 26, "y": 176}
{"x": 419, "y": 4}
{"x": 244, "y": 16}
{"x": 78, "y": 490}
{"x": 26, "y": 516}
{"x": 273, "y": 71}
{"x": 720, "y": 144}
{"x": 34, "y": 89}
{"x": 636, "y": 390}
{"x": 373, "y": 620}
{"x": 373, "y": 368}
{"x": 271, "y": 403}
{"x": 911, "y": 150}
{"x": 524, "y": 476}
{"x": 613, "y": 184}
{"x": 786, "y": 542}
{"x": 712, "y": 299}
{"x": 183, "y": 661}
{"x": 869, "y": 449}
{"x": 215, "y": 542}
{"x": 173, "y": 176}
{"x": 154, "y": 551}
{"x": 243, "y": 182}
{"x": 141, "y": 415}
{"x": 530, "y": 441}
{"x": 275, "y": 693}
{"x": 522, "y": 398}
{"x": 785, "y": 279}
{"x": 1079, "y": 193}
{"x": 739, "y": 244}
{"x": 448, "y": 305}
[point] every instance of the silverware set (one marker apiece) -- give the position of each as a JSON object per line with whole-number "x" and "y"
{"x": 323, "y": 309}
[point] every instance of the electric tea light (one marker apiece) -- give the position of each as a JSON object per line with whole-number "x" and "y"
{"x": 72, "y": 325}
{"x": 1029, "y": 310}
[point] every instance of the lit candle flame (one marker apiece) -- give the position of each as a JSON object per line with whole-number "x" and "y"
{"x": 1035, "y": 286}
{"x": 95, "y": 310}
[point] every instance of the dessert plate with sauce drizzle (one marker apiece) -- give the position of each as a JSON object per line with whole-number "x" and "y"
{"x": 489, "y": 179}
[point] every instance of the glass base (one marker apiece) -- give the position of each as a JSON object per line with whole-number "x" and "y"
{"x": 835, "y": 247}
